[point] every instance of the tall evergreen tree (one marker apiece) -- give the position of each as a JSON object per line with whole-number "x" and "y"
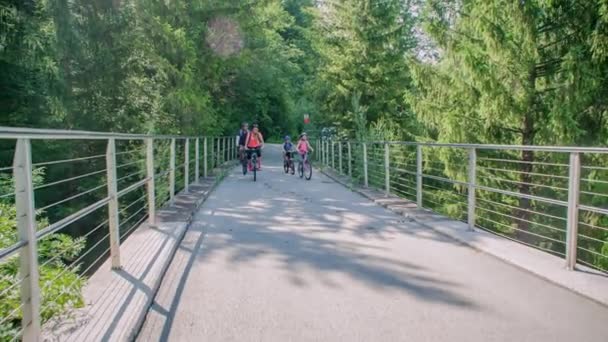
{"x": 522, "y": 72}
{"x": 363, "y": 47}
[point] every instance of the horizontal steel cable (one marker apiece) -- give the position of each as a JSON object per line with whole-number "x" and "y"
{"x": 73, "y": 197}
{"x": 69, "y": 179}
{"x": 521, "y": 230}
{"x": 68, "y": 160}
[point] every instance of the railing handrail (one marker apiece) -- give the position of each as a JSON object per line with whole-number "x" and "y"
{"x": 37, "y": 133}
{"x": 539, "y": 148}
{"x": 388, "y": 174}
{"x": 209, "y": 151}
{"x": 51, "y": 228}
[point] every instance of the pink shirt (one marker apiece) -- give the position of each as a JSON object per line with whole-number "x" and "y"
{"x": 303, "y": 146}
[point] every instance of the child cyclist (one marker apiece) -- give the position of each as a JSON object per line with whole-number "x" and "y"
{"x": 287, "y": 148}
{"x": 303, "y": 146}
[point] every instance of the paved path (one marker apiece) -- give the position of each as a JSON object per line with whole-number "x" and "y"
{"x": 284, "y": 259}
{"x": 116, "y": 301}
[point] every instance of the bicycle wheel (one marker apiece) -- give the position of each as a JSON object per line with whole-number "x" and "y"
{"x": 286, "y": 166}
{"x": 308, "y": 170}
{"x": 292, "y": 167}
{"x": 300, "y": 169}
{"x": 244, "y": 163}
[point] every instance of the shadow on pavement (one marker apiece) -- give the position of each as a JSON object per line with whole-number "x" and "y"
{"x": 303, "y": 227}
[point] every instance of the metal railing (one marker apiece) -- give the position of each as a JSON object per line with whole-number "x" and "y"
{"x": 70, "y": 198}
{"x": 551, "y": 198}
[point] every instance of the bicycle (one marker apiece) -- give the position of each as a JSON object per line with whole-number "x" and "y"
{"x": 253, "y": 162}
{"x": 305, "y": 167}
{"x": 288, "y": 163}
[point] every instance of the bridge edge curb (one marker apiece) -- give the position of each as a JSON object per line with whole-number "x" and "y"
{"x": 139, "y": 324}
{"x": 359, "y": 190}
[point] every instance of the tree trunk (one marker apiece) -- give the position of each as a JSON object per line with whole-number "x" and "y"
{"x": 525, "y": 179}
{"x": 527, "y": 166}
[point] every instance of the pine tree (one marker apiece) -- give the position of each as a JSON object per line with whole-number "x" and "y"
{"x": 363, "y": 47}
{"x": 519, "y": 73}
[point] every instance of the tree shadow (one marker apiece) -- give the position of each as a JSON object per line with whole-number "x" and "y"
{"x": 337, "y": 237}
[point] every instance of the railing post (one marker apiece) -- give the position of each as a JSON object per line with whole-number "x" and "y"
{"x": 172, "y": 173}
{"x": 350, "y": 163}
{"x": 223, "y": 150}
{"x": 205, "y": 157}
{"x": 327, "y": 153}
{"x": 472, "y": 181}
{"x": 323, "y": 155}
{"x": 231, "y": 140}
{"x": 225, "y": 145}
{"x": 151, "y": 181}
{"x": 333, "y": 155}
{"x": 219, "y": 152}
{"x": 212, "y": 154}
{"x": 186, "y": 165}
{"x": 113, "y": 220}
{"x": 212, "y": 157}
{"x": 573, "y": 211}
{"x": 419, "y": 176}
{"x": 28, "y": 255}
{"x": 387, "y": 169}
{"x": 365, "y": 176}
{"x": 340, "y": 156}
{"x": 322, "y": 152}
{"x": 197, "y": 164}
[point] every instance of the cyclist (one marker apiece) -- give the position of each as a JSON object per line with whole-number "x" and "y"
{"x": 287, "y": 148}
{"x": 242, "y": 138}
{"x": 304, "y": 146}
{"x": 254, "y": 143}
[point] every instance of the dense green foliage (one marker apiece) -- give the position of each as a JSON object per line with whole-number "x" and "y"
{"x": 476, "y": 71}
{"x": 362, "y": 74}
{"x": 523, "y": 73}
{"x": 143, "y": 66}
{"x": 60, "y": 287}
{"x": 473, "y": 71}
{"x": 147, "y": 66}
